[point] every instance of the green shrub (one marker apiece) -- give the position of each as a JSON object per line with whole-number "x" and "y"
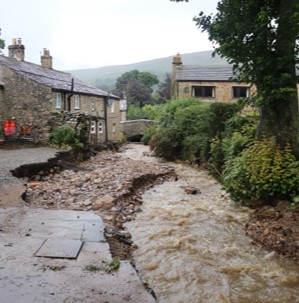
{"x": 219, "y": 114}
{"x": 167, "y": 143}
{"x": 153, "y": 112}
{"x": 238, "y": 134}
{"x": 235, "y": 143}
{"x": 194, "y": 123}
{"x": 65, "y": 136}
{"x": 217, "y": 159}
{"x": 134, "y": 113}
{"x": 263, "y": 172}
{"x": 149, "y": 132}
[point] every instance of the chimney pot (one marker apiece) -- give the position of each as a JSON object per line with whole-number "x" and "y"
{"x": 46, "y": 59}
{"x": 17, "y": 49}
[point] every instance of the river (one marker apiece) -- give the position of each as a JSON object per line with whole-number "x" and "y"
{"x": 192, "y": 248}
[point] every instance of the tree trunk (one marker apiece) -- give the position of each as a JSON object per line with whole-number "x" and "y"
{"x": 279, "y": 111}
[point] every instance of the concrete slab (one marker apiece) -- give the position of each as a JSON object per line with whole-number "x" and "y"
{"x": 27, "y": 278}
{"x": 60, "y": 248}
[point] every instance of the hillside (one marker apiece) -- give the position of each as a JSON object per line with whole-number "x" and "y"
{"x": 105, "y": 77}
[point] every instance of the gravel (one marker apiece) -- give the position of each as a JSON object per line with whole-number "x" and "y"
{"x": 11, "y": 159}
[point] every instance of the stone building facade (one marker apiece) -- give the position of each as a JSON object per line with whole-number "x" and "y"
{"x": 209, "y": 83}
{"x": 30, "y": 94}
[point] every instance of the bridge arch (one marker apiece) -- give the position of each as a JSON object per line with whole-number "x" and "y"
{"x": 134, "y": 129}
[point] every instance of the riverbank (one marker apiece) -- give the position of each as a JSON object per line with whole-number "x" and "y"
{"x": 276, "y": 229}
{"x": 112, "y": 186}
{"x": 187, "y": 235}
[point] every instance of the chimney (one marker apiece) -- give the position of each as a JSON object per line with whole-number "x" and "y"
{"x": 177, "y": 61}
{"x": 16, "y": 49}
{"x": 46, "y": 60}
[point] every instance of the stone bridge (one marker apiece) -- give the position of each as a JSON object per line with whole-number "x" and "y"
{"x": 134, "y": 129}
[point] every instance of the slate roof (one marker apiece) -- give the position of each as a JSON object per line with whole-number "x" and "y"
{"x": 207, "y": 73}
{"x": 204, "y": 73}
{"x": 55, "y": 79}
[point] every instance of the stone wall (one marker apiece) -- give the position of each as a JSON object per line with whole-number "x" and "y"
{"x": 27, "y": 101}
{"x": 32, "y": 105}
{"x": 135, "y": 128}
{"x": 114, "y": 118}
{"x": 223, "y": 90}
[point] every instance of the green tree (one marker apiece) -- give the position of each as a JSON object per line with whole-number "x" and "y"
{"x": 2, "y": 43}
{"x": 164, "y": 90}
{"x": 137, "y": 86}
{"x": 260, "y": 39}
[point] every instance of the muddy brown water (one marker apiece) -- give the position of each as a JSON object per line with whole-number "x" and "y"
{"x": 192, "y": 248}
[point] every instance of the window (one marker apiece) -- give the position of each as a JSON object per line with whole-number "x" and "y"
{"x": 58, "y": 100}
{"x": 100, "y": 127}
{"x": 112, "y": 106}
{"x": 77, "y": 102}
{"x": 241, "y": 92}
{"x": 113, "y": 128}
{"x": 203, "y": 91}
{"x": 93, "y": 127}
{"x": 93, "y": 105}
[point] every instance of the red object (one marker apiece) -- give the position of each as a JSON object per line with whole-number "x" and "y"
{"x": 10, "y": 128}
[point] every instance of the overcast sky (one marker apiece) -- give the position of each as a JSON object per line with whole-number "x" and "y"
{"x": 94, "y": 33}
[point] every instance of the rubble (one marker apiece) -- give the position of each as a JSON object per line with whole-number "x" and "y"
{"x": 109, "y": 184}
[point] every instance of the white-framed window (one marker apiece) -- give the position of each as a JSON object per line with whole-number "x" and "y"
{"x": 241, "y": 92}
{"x": 113, "y": 128}
{"x": 112, "y": 106}
{"x": 203, "y": 91}
{"x": 58, "y": 100}
{"x": 93, "y": 127}
{"x": 77, "y": 102}
{"x": 93, "y": 105}
{"x": 100, "y": 127}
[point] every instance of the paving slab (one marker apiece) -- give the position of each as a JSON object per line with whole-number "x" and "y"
{"x": 25, "y": 277}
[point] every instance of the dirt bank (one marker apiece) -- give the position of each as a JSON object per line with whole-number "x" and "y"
{"x": 276, "y": 228}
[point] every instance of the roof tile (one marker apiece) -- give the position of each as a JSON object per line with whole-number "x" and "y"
{"x": 50, "y": 77}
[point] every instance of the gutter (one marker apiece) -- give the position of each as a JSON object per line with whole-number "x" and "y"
{"x": 70, "y": 95}
{"x": 106, "y": 99}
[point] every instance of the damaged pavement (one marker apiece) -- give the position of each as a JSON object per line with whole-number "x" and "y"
{"x": 54, "y": 245}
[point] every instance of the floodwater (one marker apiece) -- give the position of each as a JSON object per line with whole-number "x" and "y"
{"x": 192, "y": 248}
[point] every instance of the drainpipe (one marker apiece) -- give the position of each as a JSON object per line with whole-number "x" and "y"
{"x": 70, "y": 96}
{"x": 106, "y": 99}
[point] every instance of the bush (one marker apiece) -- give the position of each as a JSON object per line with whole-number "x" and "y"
{"x": 65, "y": 136}
{"x": 195, "y": 124}
{"x": 166, "y": 143}
{"x": 149, "y": 132}
{"x": 219, "y": 114}
{"x": 263, "y": 172}
{"x": 135, "y": 112}
{"x": 238, "y": 134}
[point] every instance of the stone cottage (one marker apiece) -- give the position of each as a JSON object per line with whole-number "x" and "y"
{"x": 35, "y": 95}
{"x": 209, "y": 83}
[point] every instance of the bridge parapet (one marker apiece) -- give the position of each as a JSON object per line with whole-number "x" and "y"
{"x": 135, "y": 128}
